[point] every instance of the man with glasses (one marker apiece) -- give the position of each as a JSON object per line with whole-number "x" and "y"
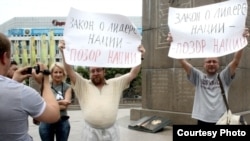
{"x": 99, "y": 99}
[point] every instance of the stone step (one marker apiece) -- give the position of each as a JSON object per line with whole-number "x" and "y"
{"x": 121, "y": 106}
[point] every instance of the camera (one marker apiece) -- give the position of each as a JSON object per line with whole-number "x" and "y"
{"x": 37, "y": 69}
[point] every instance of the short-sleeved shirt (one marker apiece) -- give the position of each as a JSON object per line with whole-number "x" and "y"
{"x": 17, "y": 103}
{"x": 100, "y": 107}
{"x": 208, "y": 101}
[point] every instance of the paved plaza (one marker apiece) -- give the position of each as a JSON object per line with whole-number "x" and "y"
{"x": 123, "y": 121}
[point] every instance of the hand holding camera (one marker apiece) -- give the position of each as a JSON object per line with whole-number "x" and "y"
{"x": 36, "y": 72}
{"x": 21, "y": 74}
{"x": 39, "y": 71}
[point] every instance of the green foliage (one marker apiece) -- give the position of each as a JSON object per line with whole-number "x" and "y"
{"x": 83, "y": 71}
{"x": 135, "y": 84}
{"x": 111, "y": 73}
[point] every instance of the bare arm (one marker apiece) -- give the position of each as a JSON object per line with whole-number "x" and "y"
{"x": 21, "y": 74}
{"x": 66, "y": 101}
{"x": 235, "y": 62}
{"x": 71, "y": 73}
{"x": 135, "y": 70}
{"x": 51, "y": 113}
{"x": 186, "y": 66}
{"x": 184, "y": 63}
{"x": 237, "y": 56}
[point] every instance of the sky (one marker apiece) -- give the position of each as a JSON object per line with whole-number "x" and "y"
{"x": 39, "y": 8}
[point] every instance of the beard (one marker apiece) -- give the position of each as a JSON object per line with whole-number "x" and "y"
{"x": 97, "y": 80}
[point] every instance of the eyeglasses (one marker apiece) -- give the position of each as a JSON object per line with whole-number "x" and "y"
{"x": 98, "y": 70}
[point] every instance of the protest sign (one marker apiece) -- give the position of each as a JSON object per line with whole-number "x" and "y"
{"x": 99, "y": 39}
{"x": 208, "y": 31}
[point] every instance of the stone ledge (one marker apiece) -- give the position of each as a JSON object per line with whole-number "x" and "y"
{"x": 121, "y": 106}
{"x": 175, "y": 117}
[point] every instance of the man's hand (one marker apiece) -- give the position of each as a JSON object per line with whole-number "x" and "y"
{"x": 142, "y": 50}
{"x": 64, "y": 102}
{"x": 39, "y": 76}
{"x": 61, "y": 45}
{"x": 21, "y": 74}
{"x": 169, "y": 38}
{"x": 246, "y": 32}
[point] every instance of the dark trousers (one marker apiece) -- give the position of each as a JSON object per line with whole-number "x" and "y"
{"x": 60, "y": 130}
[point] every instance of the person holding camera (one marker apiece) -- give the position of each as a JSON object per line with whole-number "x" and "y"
{"x": 18, "y": 101}
{"x": 62, "y": 92}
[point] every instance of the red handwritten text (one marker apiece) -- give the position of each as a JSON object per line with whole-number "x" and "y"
{"x": 84, "y": 55}
{"x": 224, "y": 45}
{"x": 191, "y": 47}
{"x": 121, "y": 57}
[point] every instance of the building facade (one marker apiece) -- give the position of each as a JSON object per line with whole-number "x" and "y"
{"x": 25, "y": 32}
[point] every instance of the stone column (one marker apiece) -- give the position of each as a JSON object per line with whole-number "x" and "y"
{"x": 165, "y": 89}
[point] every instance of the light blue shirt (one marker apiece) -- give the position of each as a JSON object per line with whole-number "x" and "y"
{"x": 208, "y": 101}
{"x": 17, "y": 103}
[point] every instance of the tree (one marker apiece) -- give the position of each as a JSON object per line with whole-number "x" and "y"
{"x": 113, "y": 72}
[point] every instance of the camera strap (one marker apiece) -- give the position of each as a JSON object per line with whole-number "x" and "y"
{"x": 223, "y": 92}
{"x": 56, "y": 90}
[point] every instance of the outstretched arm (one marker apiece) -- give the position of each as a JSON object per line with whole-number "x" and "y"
{"x": 184, "y": 63}
{"x": 186, "y": 66}
{"x": 71, "y": 73}
{"x": 235, "y": 62}
{"x": 237, "y": 56}
{"x": 135, "y": 70}
{"x": 51, "y": 113}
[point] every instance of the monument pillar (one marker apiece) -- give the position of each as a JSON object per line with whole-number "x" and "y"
{"x": 166, "y": 91}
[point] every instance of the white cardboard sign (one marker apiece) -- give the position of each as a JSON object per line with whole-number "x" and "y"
{"x": 208, "y": 31}
{"x": 101, "y": 40}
